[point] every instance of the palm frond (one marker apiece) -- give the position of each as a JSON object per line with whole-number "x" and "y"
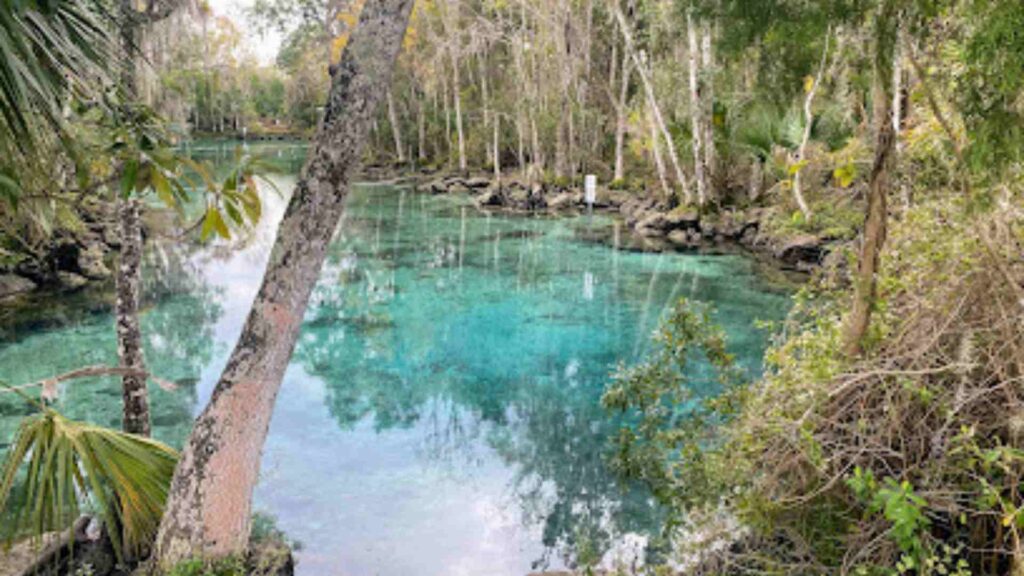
{"x": 49, "y": 52}
{"x": 58, "y": 466}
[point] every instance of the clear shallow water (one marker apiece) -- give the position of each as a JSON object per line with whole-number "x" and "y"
{"x": 441, "y": 413}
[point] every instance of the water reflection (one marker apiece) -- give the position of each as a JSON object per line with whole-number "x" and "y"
{"x": 481, "y": 328}
{"x": 441, "y": 414}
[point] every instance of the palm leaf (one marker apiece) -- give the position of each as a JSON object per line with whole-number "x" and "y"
{"x": 49, "y": 51}
{"x": 73, "y": 465}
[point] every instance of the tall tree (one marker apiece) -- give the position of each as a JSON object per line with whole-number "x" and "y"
{"x": 128, "y": 279}
{"x": 873, "y": 236}
{"x": 209, "y": 507}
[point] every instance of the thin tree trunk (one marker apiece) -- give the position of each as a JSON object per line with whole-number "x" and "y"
{"x": 865, "y": 280}
{"x": 696, "y": 124}
{"x": 129, "y": 333}
{"x": 208, "y": 510}
{"x": 396, "y": 131}
{"x": 128, "y": 279}
{"x": 560, "y": 155}
{"x": 801, "y": 154}
{"x": 659, "y": 163}
{"x": 708, "y": 70}
{"x": 621, "y": 119}
{"x": 496, "y": 148}
{"x": 653, "y": 102}
{"x": 421, "y": 125}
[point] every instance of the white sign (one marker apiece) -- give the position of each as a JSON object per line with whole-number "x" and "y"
{"x": 590, "y": 189}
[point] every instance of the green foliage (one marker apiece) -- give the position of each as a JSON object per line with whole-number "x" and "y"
{"x": 196, "y": 567}
{"x": 51, "y": 49}
{"x": 57, "y": 467}
{"x": 672, "y": 446}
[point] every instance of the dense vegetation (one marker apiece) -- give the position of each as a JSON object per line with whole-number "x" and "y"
{"x": 886, "y": 435}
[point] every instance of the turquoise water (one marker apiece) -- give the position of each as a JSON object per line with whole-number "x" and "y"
{"x": 441, "y": 413}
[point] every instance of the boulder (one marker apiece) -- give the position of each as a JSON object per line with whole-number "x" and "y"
{"x": 477, "y": 183}
{"x": 90, "y": 263}
{"x": 70, "y": 281}
{"x": 12, "y": 284}
{"x": 682, "y": 220}
{"x": 492, "y": 197}
{"x": 652, "y": 224}
{"x": 433, "y": 187}
{"x": 801, "y": 252}
{"x": 562, "y": 201}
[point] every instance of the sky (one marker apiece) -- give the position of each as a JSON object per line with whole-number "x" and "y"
{"x": 263, "y": 46}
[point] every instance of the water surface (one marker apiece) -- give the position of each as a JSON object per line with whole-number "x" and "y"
{"x": 441, "y": 413}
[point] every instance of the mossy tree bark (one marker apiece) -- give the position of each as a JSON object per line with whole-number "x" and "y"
{"x": 209, "y": 507}
{"x": 865, "y": 284}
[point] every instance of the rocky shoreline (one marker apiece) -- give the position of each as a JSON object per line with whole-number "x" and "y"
{"x": 70, "y": 261}
{"x": 652, "y": 223}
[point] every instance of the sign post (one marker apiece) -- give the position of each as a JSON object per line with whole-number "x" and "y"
{"x": 590, "y": 190}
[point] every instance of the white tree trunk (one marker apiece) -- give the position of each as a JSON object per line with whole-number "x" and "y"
{"x": 801, "y": 154}
{"x": 696, "y": 109}
{"x": 708, "y": 73}
{"x": 659, "y": 163}
{"x": 621, "y": 119}
{"x": 627, "y": 35}
{"x": 396, "y": 131}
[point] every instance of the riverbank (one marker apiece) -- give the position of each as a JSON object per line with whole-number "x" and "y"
{"x": 651, "y": 223}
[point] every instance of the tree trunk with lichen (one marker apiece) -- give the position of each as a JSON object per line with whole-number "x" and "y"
{"x": 129, "y": 334}
{"x": 209, "y": 506}
{"x": 865, "y": 283}
{"x": 128, "y": 276}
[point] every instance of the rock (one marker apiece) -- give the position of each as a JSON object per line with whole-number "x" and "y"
{"x": 801, "y": 252}
{"x": 683, "y": 239}
{"x": 433, "y": 187}
{"x": 653, "y": 220}
{"x": 272, "y": 558}
{"x": 70, "y": 281}
{"x": 491, "y": 197}
{"x": 12, "y": 284}
{"x": 90, "y": 263}
{"x": 477, "y": 183}
{"x": 682, "y": 220}
{"x": 562, "y": 201}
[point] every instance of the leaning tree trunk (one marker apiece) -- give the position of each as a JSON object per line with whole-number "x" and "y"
{"x": 209, "y": 505}
{"x": 865, "y": 283}
{"x": 652, "y": 100}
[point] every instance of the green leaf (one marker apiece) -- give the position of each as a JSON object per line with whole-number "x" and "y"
{"x": 214, "y": 222}
{"x": 163, "y": 188}
{"x": 128, "y": 179}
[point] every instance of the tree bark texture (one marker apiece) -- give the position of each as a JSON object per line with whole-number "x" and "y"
{"x": 696, "y": 125}
{"x": 128, "y": 276}
{"x": 865, "y": 284}
{"x": 129, "y": 334}
{"x": 209, "y": 506}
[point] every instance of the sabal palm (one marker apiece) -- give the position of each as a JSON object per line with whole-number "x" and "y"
{"x": 50, "y": 51}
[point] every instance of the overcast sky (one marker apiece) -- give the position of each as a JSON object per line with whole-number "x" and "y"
{"x": 263, "y": 46}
